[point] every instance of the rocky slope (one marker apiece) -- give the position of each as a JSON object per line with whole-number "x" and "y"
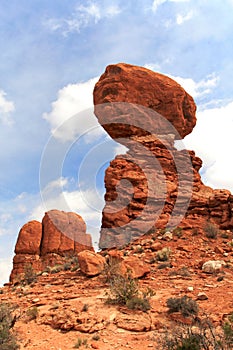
{"x": 61, "y": 309}
{"x": 153, "y": 185}
{"x": 46, "y": 244}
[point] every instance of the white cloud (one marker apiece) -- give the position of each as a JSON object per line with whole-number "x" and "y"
{"x": 212, "y": 141}
{"x": 72, "y": 113}
{"x": 180, "y": 19}
{"x": 82, "y": 17}
{"x": 5, "y": 269}
{"x": 6, "y": 107}
{"x": 157, "y": 3}
{"x": 153, "y": 66}
{"x": 194, "y": 88}
{"x": 200, "y": 88}
{"x": 88, "y": 203}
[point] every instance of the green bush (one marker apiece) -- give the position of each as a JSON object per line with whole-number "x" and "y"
{"x": 123, "y": 289}
{"x": 138, "y": 303}
{"x": 187, "y": 306}
{"x": 7, "y": 339}
{"x": 111, "y": 269}
{"x": 182, "y": 340}
{"x": 191, "y": 342}
{"x": 228, "y": 331}
{"x": 203, "y": 336}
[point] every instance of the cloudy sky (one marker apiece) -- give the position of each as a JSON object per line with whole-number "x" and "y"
{"x": 52, "y": 53}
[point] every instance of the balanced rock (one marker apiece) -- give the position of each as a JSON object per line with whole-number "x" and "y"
{"x": 154, "y": 185}
{"x": 141, "y": 87}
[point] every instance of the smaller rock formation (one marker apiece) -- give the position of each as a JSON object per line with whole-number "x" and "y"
{"x": 48, "y": 243}
{"x": 63, "y": 232}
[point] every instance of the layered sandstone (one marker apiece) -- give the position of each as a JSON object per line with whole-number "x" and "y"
{"x": 60, "y": 235}
{"x": 153, "y": 185}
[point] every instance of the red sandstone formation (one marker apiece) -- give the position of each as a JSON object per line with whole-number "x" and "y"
{"x": 142, "y": 87}
{"x": 29, "y": 238}
{"x": 64, "y": 232}
{"x": 154, "y": 184}
{"x": 61, "y": 234}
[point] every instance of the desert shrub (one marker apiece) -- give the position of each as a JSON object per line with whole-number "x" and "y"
{"x": 195, "y": 231}
{"x": 80, "y": 342}
{"x": 228, "y": 331}
{"x": 183, "y": 272}
{"x": 164, "y": 265}
{"x": 85, "y": 308}
{"x": 138, "y": 303}
{"x": 182, "y": 339}
{"x": 225, "y": 235}
{"x": 123, "y": 289}
{"x": 32, "y": 313}
{"x": 56, "y": 269}
{"x": 30, "y": 275}
{"x": 211, "y": 230}
{"x": 187, "y": 306}
{"x": 202, "y": 336}
{"x": 74, "y": 268}
{"x": 96, "y": 337}
{"x": 7, "y": 338}
{"x": 163, "y": 254}
{"x": 111, "y": 269}
{"x": 67, "y": 266}
{"x": 74, "y": 263}
{"x": 152, "y": 260}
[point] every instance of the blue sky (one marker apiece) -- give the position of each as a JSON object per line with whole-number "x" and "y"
{"x": 52, "y": 53}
